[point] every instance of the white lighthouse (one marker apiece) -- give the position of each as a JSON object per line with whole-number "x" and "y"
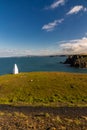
{"x": 15, "y": 69}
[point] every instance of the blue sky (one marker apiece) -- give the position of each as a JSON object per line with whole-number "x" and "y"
{"x": 43, "y": 27}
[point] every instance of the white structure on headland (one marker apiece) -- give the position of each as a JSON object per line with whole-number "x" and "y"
{"x": 15, "y": 69}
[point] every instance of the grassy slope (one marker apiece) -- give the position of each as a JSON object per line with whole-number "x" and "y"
{"x": 44, "y": 87}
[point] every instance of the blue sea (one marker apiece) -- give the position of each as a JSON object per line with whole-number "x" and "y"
{"x": 32, "y": 64}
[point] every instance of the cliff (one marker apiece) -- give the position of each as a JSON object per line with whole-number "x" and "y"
{"x": 79, "y": 61}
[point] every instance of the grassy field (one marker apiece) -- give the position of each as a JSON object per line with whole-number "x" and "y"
{"x": 44, "y": 88}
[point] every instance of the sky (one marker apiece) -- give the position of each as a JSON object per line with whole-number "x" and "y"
{"x": 43, "y": 27}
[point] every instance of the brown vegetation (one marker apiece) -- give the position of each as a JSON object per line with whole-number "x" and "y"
{"x": 42, "y": 118}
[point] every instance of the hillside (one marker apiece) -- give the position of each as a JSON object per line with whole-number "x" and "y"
{"x": 44, "y": 88}
{"x": 43, "y": 101}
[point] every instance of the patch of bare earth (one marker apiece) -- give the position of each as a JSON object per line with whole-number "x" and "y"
{"x": 42, "y": 118}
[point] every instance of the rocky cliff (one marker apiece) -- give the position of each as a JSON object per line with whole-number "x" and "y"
{"x": 79, "y": 61}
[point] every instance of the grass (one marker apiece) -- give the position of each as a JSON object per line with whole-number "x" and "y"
{"x": 44, "y": 88}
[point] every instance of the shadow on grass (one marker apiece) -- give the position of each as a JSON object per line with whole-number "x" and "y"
{"x": 62, "y": 111}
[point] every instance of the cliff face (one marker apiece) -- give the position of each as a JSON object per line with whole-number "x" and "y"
{"x": 79, "y": 61}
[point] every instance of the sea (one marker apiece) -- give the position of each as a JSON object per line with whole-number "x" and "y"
{"x": 37, "y": 63}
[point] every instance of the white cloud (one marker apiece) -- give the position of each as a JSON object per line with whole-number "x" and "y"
{"x": 76, "y": 9}
{"x": 45, "y": 52}
{"x": 19, "y": 52}
{"x": 85, "y": 9}
{"x": 56, "y": 4}
{"x": 50, "y": 26}
{"x": 86, "y": 34}
{"x": 77, "y": 46}
{"x": 14, "y": 52}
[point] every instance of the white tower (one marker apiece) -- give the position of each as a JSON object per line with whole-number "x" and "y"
{"x": 15, "y": 69}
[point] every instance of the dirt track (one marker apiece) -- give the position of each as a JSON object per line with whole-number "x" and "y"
{"x": 42, "y": 118}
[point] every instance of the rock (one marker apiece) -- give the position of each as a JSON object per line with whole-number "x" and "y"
{"x": 31, "y": 80}
{"x": 51, "y": 128}
{"x": 79, "y": 61}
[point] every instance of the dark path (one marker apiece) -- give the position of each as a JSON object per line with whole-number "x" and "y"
{"x": 42, "y": 118}
{"x": 62, "y": 111}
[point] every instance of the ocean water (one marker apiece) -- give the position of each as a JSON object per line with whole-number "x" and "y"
{"x": 31, "y": 64}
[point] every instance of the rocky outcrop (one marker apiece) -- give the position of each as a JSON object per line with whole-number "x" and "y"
{"x": 79, "y": 61}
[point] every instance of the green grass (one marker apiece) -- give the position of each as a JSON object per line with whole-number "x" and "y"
{"x": 44, "y": 88}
